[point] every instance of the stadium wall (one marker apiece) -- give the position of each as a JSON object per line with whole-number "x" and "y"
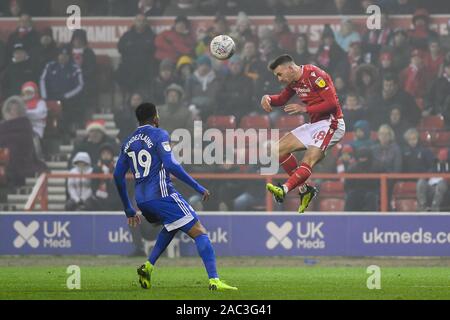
{"x": 235, "y": 234}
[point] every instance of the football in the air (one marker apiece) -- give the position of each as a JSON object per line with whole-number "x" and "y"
{"x": 222, "y": 47}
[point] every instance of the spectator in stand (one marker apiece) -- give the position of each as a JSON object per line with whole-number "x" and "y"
{"x": 341, "y": 86}
{"x": 445, "y": 38}
{"x": 434, "y": 58}
{"x": 3, "y": 59}
{"x": 355, "y": 59}
{"x": 176, "y": 42}
{"x": 242, "y": 32}
{"x": 219, "y": 27}
{"x": 386, "y": 64}
{"x": 47, "y": 51}
{"x": 421, "y": 32}
{"x": 302, "y": 54}
{"x": 416, "y": 158}
{"x": 361, "y": 195}
{"x": 80, "y": 189}
{"x": 362, "y": 135}
{"x": 12, "y": 8}
{"x": 166, "y": 77}
{"x": 174, "y": 114}
{"x": 149, "y": 8}
{"x": 439, "y": 94}
{"x": 253, "y": 66}
{"x": 63, "y": 80}
{"x": 24, "y": 34}
{"x": 286, "y": 38}
{"x": 353, "y": 109}
{"x": 387, "y": 154}
{"x": 236, "y": 95}
{"x": 125, "y": 117}
{"x": 85, "y": 58}
{"x": 202, "y": 89}
{"x": 366, "y": 81}
{"x": 185, "y": 68}
{"x": 345, "y": 159}
{"x": 18, "y": 71}
{"x": 347, "y": 35}
{"x": 36, "y": 113}
{"x": 96, "y": 137}
{"x": 16, "y": 134}
{"x": 380, "y": 105}
{"x": 375, "y": 39}
{"x": 182, "y": 7}
{"x": 104, "y": 190}
{"x": 416, "y": 79}
{"x": 401, "y": 50}
{"x": 398, "y": 124}
{"x": 136, "y": 48}
{"x": 330, "y": 55}
{"x": 434, "y": 189}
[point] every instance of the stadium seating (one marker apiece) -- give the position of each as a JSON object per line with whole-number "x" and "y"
{"x": 4, "y": 156}
{"x": 289, "y": 122}
{"x": 403, "y": 205}
{"x": 2, "y": 175}
{"x": 441, "y": 139}
{"x": 425, "y": 138}
{"x": 432, "y": 123}
{"x": 221, "y": 122}
{"x": 333, "y": 188}
{"x": 331, "y": 204}
{"x": 255, "y": 122}
{"x": 404, "y": 189}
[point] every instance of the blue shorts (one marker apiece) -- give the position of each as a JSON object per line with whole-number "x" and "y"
{"x": 173, "y": 211}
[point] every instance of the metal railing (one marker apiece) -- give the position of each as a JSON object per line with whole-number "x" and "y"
{"x": 40, "y": 190}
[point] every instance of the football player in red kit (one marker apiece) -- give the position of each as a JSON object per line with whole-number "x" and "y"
{"x": 319, "y": 100}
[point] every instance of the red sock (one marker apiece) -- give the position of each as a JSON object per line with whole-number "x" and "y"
{"x": 299, "y": 177}
{"x": 289, "y": 163}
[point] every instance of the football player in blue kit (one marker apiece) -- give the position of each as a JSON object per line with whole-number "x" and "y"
{"x": 147, "y": 153}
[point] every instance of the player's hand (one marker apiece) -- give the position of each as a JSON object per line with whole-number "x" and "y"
{"x": 265, "y": 103}
{"x": 134, "y": 221}
{"x": 206, "y": 195}
{"x": 295, "y": 108}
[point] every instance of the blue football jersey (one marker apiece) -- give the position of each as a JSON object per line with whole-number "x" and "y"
{"x": 143, "y": 151}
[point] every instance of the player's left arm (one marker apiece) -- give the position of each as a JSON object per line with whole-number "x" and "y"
{"x": 318, "y": 80}
{"x": 120, "y": 172}
{"x": 174, "y": 167}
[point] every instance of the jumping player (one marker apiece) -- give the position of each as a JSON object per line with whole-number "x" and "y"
{"x": 318, "y": 98}
{"x": 148, "y": 154}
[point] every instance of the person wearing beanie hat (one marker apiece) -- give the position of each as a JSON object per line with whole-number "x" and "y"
{"x": 286, "y": 38}
{"x": 19, "y": 70}
{"x": 241, "y": 32}
{"x": 237, "y": 92}
{"x": 421, "y": 33}
{"x": 416, "y": 78}
{"x": 330, "y": 55}
{"x": 159, "y": 84}
{"x": 185, "y": 68}
{"x": 202, "y": 88}
{"x": 174, "y": 113}
{"x": 25, "y": 34}
{"x": 362, "y": 135}
{"x": 176, "y": 42}
{"x": 96, "y": 136}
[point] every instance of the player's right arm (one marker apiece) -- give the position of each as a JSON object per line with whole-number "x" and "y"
{"x": 120, "y": 172}
{"x": 172, "y": 166}
{"x": 276, "y": 100}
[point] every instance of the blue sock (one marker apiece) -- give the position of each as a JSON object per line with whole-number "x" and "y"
{"x": 206, "y": 251}
{"x": 161, "y": 244}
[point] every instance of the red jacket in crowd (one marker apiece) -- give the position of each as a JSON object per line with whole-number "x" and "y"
{"x": 171, "y": 45}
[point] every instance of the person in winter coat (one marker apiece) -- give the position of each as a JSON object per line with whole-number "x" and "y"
{"x": 79, "y": 188}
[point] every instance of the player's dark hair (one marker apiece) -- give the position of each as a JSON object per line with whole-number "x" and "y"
{"x": 285, "y": 58}
{"x": 145, "y": 112}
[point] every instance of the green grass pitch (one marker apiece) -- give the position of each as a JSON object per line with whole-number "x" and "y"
{"x": 103, "y": 280}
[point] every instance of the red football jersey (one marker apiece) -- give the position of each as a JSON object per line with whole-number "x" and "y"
{"x": 316, "y": 89}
